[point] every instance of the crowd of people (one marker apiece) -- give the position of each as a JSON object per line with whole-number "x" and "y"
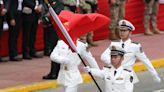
{"x": 118, "y": 58}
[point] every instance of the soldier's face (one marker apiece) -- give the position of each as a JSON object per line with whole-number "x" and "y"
{"x": 124, "y": 34}
{"x": 116, "y": 60}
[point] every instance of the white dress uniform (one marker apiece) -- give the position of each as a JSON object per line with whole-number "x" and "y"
{"x": 69, "y": 74}
{"x": 133, "y": 51}
{"x": 119, "y": 81}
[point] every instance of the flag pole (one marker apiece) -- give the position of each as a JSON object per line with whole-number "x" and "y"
{"x": 46, "y": 1}
{"x": 90, "y": 73}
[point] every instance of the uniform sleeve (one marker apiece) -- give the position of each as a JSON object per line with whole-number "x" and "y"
{"x": 105, "y": 56}
{"x": 88, "y": 56}
{"x": 60, "y": 54}
{"x": 143, "y": 58}
{"x": 98, "y": 73}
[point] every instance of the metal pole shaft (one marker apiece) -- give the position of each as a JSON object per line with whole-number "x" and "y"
{"x": 90, "y": 74}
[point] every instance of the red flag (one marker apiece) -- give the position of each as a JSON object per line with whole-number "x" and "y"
{"x": 80, "y": 24}
{"x": 75, "y": 25}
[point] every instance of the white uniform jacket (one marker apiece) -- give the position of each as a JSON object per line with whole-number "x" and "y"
{"x": 121, "y": 81}
{"x": 133, "y": 51}
{"x": 69, "y": 74}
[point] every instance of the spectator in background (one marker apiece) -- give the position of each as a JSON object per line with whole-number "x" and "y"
{"x": 50, "y": 37}
{"x": 89, "y": 6}
{"x": 3, "y": 10}
{"x": 117, "y": 12}
{"x": 15, "y": 25}
{"x": 93, "y": 4}
{"x": 30, "y": 14}
{"x": 151, "y": 11}
{"x": 70, "y": 5}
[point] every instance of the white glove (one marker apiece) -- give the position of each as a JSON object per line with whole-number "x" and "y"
{"x": 156, "y": 78}
{"x": 87, "y": 69}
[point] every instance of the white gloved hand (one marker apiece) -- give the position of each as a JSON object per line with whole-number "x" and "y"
{"x": 157, "y": 79}
{"x": 87, "y": 69}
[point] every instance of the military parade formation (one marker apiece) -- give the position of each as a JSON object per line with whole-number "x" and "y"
{"x": 118, "y": 59}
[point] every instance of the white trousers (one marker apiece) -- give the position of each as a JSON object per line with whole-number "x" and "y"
{"x": 70, "y": 88}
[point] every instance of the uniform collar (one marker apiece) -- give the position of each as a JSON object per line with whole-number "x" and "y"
{"x": 118, "y": 69}
{"x": 127, "y": 41}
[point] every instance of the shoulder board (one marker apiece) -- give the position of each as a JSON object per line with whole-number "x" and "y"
{"x": 136, "y": 43}
{"x": 108, "y": 67}
{"x": 116, "y": 41}
{"x": 127, "y": 70}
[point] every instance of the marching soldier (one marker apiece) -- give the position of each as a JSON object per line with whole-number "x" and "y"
{"x": 116, "y": 77}
{"x": 133, "y": 49}
{"x": 117, "y": 12}
{"x": 3, "y": 11}
{"x": 51, "y": 37}
{"x": 151, "y": 11}
{"x": 69, "y": 74}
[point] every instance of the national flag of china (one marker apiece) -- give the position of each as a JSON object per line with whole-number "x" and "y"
{"x": 70, "y": 26}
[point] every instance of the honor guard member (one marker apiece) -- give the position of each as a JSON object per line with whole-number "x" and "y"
{"x": 3, "y": 11}
{"x": 51, "y": 37}
{"x": 151, "y": 11}
{"x": 116, "y": 77}
{"x": 69, "y": 74}
{"x": 133, "y": 51}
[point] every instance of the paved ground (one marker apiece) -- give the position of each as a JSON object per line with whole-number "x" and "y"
{"x": 146, "y": 84}
{"x": 28, "y": 72}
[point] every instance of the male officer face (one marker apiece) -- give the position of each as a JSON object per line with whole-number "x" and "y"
{"x": 116, "y": 60}
{"x": 124, "y": 33}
